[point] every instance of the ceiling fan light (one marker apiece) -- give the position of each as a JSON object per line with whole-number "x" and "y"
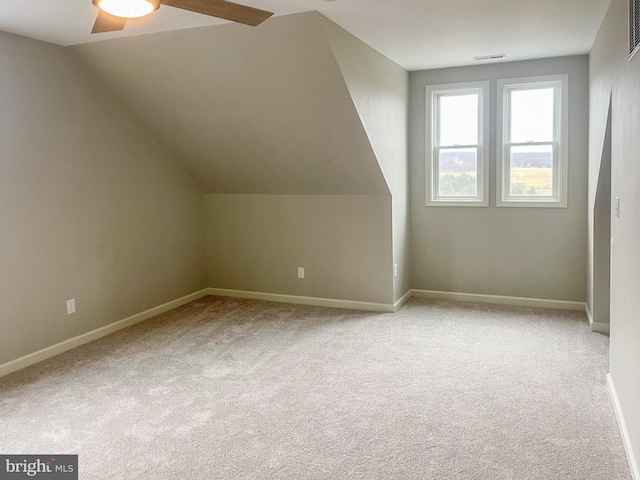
{"x": 127, "y": 8}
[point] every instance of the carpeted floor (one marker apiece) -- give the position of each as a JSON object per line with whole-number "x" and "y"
{"x": 227, "y": 388}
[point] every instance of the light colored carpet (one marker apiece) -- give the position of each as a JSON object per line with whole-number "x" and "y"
{"x": 227, "y": 388}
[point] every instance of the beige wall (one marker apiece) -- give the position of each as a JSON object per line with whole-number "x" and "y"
{"x": 380, "y": 92}
{"x": 91, "y": 208}
{"x": 522, "y": 252}
{"x": 256, "y": 242}
{"x": 612, "y": 76}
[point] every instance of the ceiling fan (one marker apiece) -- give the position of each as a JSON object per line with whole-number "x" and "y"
{"x": 113, "y": 14}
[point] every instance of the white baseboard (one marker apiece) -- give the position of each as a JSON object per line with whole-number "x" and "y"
{"x": 599, "y": 327}
{"x": 61, "y": 347}
{"x": 384, "y": 307}
{"x": 402, "y": 300}
{"x": 633, "y": 464}
{"x": 501, "y": 300}
{"x": 32, "y": 358}
{"x": 300, "y": 300}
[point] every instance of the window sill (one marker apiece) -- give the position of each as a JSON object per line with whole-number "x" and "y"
{"x": 537, "y": 203}
{"x": 457, "y": 203}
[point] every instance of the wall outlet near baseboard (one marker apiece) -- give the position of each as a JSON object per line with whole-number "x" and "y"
{"x": 300, "y": 272}
{"x": 71, "y": 306}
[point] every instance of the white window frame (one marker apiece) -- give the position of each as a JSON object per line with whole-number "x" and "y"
{"x": 560, "y": 142}
{"x": 634, "y": 33}
{"x": 431, "y": 130}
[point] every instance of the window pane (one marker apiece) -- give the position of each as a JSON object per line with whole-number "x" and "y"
{"x": 458, "y": 119}
{"x": 532, "y": 115}
{"x": 532, "y": 170}
{"x": 458, "y": 172}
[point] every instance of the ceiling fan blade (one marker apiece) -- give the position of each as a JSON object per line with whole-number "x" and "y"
{"x": 107, "y": 23}
{"x": 222, "y": 9}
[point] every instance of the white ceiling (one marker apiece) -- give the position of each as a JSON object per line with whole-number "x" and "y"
{"x": 416, "y": 34}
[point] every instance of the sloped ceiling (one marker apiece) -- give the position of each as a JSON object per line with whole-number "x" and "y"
{"x": 416, "y": 34}
{"x": 249, "y": 111}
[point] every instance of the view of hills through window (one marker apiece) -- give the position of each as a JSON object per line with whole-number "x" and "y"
{"x": 459, "y": 143}
{"x": 531, "y": 141}
{"x": 531, "y": 171}
{"x": 530, "y": 150}
{"x": 459, "y": 172}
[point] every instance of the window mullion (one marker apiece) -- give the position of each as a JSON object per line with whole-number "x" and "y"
{"x": 530, "y": 144}
{"x": 452, "y": 147}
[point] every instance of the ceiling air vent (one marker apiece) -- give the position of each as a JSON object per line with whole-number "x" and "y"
{"x": 634, "y": 27}
{"x": 494, "y": 57}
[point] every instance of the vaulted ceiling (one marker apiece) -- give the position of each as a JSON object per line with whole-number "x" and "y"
{"x": 252, "y": 111}
{"x": 416, "y": 34}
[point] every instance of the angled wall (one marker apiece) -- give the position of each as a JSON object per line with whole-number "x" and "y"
{"x": 91, "y": 207}
{"x": 263, "y": 121}
{"x": 600, "y": 88}
{"x": 380, "y": 92}
{"x": 599, "y": 280}
{"x": 613, "y": 77}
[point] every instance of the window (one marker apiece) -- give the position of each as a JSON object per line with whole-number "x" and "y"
{"x": 532, "y": 150}
{"x": 457, "y": 150}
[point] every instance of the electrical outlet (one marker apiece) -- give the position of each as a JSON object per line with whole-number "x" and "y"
{"x": 618, "y": 207}
{"x": 300, "y": 272}
{"x": 71, "y": 306}
{"x": 395, "y": 270}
